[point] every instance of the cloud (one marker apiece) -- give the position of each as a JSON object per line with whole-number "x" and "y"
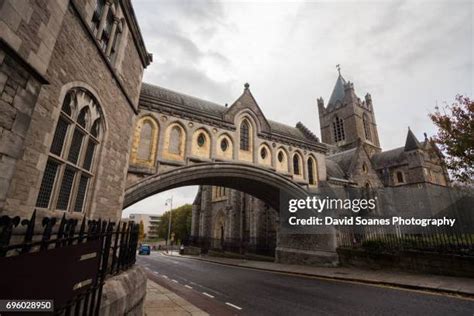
{"x": 410, "y": 55}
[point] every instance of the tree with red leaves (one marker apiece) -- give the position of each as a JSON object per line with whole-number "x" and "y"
{"x": 455, "y": 136}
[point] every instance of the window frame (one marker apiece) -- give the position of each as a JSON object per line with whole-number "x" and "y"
{"x": 62, "y": 159}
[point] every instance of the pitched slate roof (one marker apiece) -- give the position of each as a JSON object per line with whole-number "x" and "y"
{"x": 338, "y": 91}
{"x": 333, "y": 170}
{"x": 212, "y": 109}
{"x": 344, "y": 159}
{"x": 183, "y": 100}
{"x": 389, "y": 158}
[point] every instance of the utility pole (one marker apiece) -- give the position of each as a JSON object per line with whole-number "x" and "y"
{"x": 170, "y": 201}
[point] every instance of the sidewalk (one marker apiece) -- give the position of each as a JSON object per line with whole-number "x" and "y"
{"x": 161, "y": 301}
{"x": 435, "y": 283}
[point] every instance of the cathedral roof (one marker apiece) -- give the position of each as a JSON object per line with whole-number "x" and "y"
{"x": 183, "y": 100}
{"x": 198, "y": 106}
{"x": 389, "y": 158}
{"x": 338, "y": 91}
{"x": 344, "y": 159}
{"x": 334, "y": 170}
{"x": 412, "y": 142}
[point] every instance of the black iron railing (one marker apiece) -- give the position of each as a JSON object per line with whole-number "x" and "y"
{"x": 66, "y": 260}
{"x": 392, "y": 239}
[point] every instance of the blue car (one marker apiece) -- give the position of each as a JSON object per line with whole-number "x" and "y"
{"x": 144, "y": 250}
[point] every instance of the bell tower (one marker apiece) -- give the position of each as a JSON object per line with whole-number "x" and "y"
{"x": 347, "y": 121}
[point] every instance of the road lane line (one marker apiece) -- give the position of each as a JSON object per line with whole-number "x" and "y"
{"x": 234, "y": 306}
{"x": 189, "y": 287}
{"x": 173, "y": 280}
{"x": 208, "y": 295}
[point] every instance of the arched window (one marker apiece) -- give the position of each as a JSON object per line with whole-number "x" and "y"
{"x": 296, "y": 164}
{"x": 281, "y": 156}
{"x": 107, "y": 27}
{"x": 224, "y": 144}
{"x": 400, "y": 178}
{"x": 338, "y": 129}
{"x": 365, "y": 120}
{"x": 365, "y": 169}
{"x": 282, "y": 161}
{"x": 201, "y": 140}
{"x": 70, "y": 167}
{"x": 263, "y": 153}
{"x": 245, "y": 136}
{"x": 144, "y": 146}
{"x": 145, "y": 142}
{"x": 175, "y": 141}
{"x": 311, "y": 171}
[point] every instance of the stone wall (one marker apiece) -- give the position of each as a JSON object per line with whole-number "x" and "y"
{"x": 75, "y": 61}
{"x": 124, "y": 294}
{"x": 18, "y": 93}
{"x": 416, "y": 261}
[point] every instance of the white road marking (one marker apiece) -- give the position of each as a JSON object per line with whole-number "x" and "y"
{"x": 208, "y": 295}
{"x": 189, "y": 287}
{"x": 175, "y": 281}
{"x": 234, "y": 306}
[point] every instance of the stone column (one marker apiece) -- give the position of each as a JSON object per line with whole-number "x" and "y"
{"x": 103, "y": 18}
{"x": 112, "y": 36}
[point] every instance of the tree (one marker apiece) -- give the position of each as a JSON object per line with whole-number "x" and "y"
{"x": 455, "y": 136}
{"x": 141, "y": 232}
{"x": 180, "y": 223}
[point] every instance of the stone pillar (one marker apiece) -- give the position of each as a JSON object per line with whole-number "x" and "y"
{"x": 196, "y": 214}
{"x": 103, "y": 19}
{"x": 112, "y": 36}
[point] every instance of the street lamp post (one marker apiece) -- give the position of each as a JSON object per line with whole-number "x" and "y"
{"x": 170, "y": 201}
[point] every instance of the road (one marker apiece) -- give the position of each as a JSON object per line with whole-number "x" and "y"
{"x": 227, "y": 290}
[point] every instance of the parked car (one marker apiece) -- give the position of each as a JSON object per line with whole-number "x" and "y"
{"x": 144, "y": 250}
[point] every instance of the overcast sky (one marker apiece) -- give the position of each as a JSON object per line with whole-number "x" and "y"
{"x": 409, "y": 55}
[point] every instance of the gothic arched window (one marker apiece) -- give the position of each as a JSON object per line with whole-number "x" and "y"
{"x": 145, "y": 142}
{"x": 338, "y": 129}
{"x": 296, "y": 164}
{"x": 311, "y": 171}
{"x": 70, "y": 166}
{"x": 144, "y": 145}
{"x": 245, "y": 135}
{"x": 107, "y": 27}
{"x": 400, "y": 178}
{"x": 365, "y": 121}
{"x": 175, "y": 140}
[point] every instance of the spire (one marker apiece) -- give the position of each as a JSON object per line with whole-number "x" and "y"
{"x": 412, "y": 142}
{"x": 338, "y": 91}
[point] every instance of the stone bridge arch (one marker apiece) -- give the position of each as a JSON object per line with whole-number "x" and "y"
{"x": 260, "y": 182}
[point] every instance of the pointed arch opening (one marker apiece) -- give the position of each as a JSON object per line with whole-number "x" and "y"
{"x": 338, "y": 129}
{"x": 70, "y": 168}
{"x": 145, "y": 142}
{"x": 367, "y": 131}
{"x": 246, "y": 140}
{"x": 175, "y": 142}
{"x": 265, "y": 155}
{"x": 312, "y": 171}
{"x": 201, "y": 144}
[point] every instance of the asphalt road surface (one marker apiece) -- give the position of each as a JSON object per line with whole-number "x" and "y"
{"x": 226, "y": 290}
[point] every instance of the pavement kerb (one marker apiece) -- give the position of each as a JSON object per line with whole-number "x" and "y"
{"x": 433, "y": 289}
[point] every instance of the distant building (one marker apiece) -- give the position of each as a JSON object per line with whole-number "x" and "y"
{"x": 150, "y": 223}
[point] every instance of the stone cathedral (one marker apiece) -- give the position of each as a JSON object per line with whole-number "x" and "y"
{"x": 226, "y": 219}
